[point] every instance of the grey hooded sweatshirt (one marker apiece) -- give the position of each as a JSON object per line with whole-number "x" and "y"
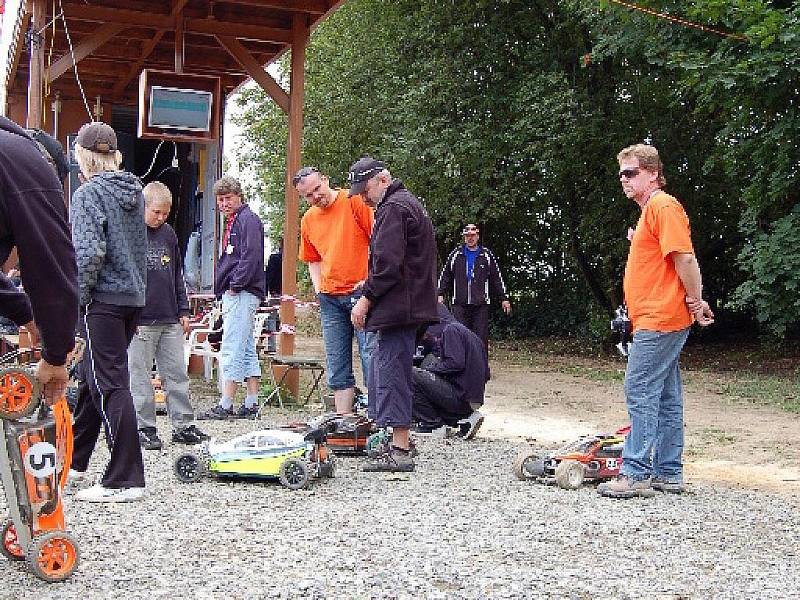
{"x": 110, "y": 237}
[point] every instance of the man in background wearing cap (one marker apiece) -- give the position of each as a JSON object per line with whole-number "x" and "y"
{"x": 33, "y": 217}
{"x": 399, "y": 298}
{"x": 108, "y": 230}
{"x": 334, "y": 241}
{"x": 469, "y": 274}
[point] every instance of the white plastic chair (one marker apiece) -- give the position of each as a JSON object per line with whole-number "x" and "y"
{"x": 202, "y": 347}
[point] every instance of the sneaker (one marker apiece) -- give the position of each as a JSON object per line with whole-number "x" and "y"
{"x": 217, "y": 413}
{"x": 189, "y": 435}
{"x": 99, "y": 493}
{"x": 626, "y": 487}
{"x": 246, "y": 413}
{"x": 668, "y": 487}
{"x": 469, "y": 427}
{"x": 393, "y": 461}
{"x": 76, "y": 480}
{"x": 441, "y": 431}
{"x": 149, "y": 440}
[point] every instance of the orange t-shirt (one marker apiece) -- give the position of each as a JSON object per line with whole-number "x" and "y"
{"x": 338, "y": 237}
{"x": 654, "y": 293}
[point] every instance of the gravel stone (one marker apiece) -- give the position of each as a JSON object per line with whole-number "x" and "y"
{"x": 461, "y": 526}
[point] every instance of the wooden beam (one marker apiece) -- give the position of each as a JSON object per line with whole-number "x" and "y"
{"x": 242, "y": 30}
{"x": 133, "y": 72}
{"x": 294, "y": 147}
{"x": 36, "y": 65}
{"x": 104, "y": 14}
{"x": 255, "y": 70}
{"x": 313, "y": 7}
{"x": 84, "y": 49}
{"x": 179, "y": 45}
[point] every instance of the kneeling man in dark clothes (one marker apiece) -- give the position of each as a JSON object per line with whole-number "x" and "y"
{"x": 448, "y": 387}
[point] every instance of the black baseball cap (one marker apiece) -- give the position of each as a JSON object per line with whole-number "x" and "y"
{"x": 97, "y": 137}
{"x": 362, "y": 171}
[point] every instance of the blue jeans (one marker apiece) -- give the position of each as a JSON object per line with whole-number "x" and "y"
{"x": 654, "y": 397}
{"x": 338, "y": 332}
{"x": 238, "y": 353}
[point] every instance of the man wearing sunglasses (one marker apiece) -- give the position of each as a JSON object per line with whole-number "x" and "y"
{"x": 334, "y": 241}
{"x": 663, "y": 292}
{"x": 468, "y": 276}
{"x": 399, "y": 298}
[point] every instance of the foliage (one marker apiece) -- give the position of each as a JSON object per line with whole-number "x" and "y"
{"x": 509, "y": 113}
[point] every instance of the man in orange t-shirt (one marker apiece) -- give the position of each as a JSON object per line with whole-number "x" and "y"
{"x": 334, "y": 241}
{"x": 663, "y": 291}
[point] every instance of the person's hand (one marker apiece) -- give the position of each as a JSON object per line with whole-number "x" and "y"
{"x": 700, "y": 310}
{"x": 358, "y": 315}
{"x": 506, "y": 307}
{"x": 33, "y": 332}
{"x": 184, "y": 321}
{"x": 53, "y": 378}
{"x": 441, "y": 299}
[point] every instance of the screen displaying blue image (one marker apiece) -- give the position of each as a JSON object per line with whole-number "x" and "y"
{"x": 175, "y": 108}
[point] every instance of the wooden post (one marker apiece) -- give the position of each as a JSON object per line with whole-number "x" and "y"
{"x": 300, "y": 33}
{"x": 179, "y": 42}
{"x": 36, "y": 65}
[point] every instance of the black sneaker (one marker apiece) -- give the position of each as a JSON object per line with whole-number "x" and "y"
{"x": 217, "y": 413}
{"x": 149, "y": 439}
{"x": 189, "y": 435}
{"x": 393, "y": 461}
{"x": 246, "y": 413}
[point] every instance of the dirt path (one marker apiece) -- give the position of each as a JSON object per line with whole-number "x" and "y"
{"x": 735, "y": 443}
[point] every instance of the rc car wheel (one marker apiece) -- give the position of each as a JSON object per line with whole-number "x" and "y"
{"x": 19, "y": 393}
{"x": 10, "y": 546}
{"x": 53, "y": 555}
{"x": 569, "y": 474}
{"x": 294, "y": 474}
{"x": 528, "y": 465}
{"x": 190, "y": 468}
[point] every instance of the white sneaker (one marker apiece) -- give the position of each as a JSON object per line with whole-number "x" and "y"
{"x": 470, "y": 426}
{"x": 98, "y": 493}
{"x": 76, "y": 480}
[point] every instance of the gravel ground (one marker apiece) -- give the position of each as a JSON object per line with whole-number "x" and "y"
{"x": 461, "y": 526}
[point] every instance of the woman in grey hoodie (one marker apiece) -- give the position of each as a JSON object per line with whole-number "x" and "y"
{"x": 108, "y": 230}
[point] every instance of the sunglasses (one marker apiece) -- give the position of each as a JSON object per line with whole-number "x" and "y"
{"x": 470, "y": 230}
{"x": 629, "y": 173}
{"x": 304, "y": 172}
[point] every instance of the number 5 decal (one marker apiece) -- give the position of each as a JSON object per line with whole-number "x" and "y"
{"x": 40, "y": 459}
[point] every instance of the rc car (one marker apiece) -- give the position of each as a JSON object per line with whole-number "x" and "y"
{"x": 290, "y": 457}
{"x": 347, "y": 434}
{"x": 35, "y": 457}
{"x": 591, "y": 458}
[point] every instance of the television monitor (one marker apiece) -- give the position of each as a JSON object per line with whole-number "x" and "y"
{"x": 177, "y": 108}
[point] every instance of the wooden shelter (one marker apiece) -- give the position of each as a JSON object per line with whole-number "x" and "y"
{"x": 69, "y": 58}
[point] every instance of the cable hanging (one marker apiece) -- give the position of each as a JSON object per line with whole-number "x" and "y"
{"x": 679, "y": 21}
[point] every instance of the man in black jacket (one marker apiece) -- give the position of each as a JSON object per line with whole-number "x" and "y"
{"x": 33, "y": 218}
{"x": 469, "y": 274}
{"x": 449, "y": 385}
{"x": 399, "y": 297}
